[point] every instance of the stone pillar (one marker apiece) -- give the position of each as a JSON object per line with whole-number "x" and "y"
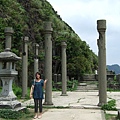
{"x": 8, "y": 32}
{"x": 59, "y": 78}
{"x": 36, "y": 59}
{"x": 48, "y": 63}
{"x": 25, "y": 67}
{"x": 55, "y": 78}
{"x": 102, "y": 81}
{"x": 64, "y": 69}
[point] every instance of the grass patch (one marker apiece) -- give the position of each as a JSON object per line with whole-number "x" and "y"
{"x": 23, "y": 115}
{"x": 26, "y": 114}
{"x": 113, "y": 90}
{"x": 111, "y": 117}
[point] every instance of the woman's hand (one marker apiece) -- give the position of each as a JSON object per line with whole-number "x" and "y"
{"x": 31, "y": 96}
{"x": 45, "y": 81}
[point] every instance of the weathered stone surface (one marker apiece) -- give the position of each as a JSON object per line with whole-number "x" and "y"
{"x": 36, "y": 60}
{"x": 7, "y": 73}
{"x": 25, "y": 66}
{"x": 48, "y": 62}
{"x": 64, "y": 69}
{"x": 101, "y": 27}
{"x": 9, "y": 104}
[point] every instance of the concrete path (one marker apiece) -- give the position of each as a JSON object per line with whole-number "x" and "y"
{"x": 72, "y": 114}
{"x": 76, "y": 106}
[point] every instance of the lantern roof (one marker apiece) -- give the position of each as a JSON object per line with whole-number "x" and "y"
{"x": 9, "y": 56}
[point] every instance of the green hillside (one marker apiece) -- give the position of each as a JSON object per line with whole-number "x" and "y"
{"x": 27, "y": 18}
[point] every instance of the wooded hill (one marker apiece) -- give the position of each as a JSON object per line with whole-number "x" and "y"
{"x": 27, "y": 18}
{"x": 115, "y": 68}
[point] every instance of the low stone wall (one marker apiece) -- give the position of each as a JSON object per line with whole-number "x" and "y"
{"x": 89, "y": 77}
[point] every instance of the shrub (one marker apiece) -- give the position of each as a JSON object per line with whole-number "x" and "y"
{"x": 9, "y": 114}
{"x": 111, "y": 105}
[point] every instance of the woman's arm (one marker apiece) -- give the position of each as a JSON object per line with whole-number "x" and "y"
{"x": 31, "y": 91}
{"x": 45, "y": 83}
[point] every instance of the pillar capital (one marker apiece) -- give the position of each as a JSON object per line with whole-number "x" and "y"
{"x": 48, "y": 27}
{"x": 26, "y": 39}
{"x": 9, "y": 31}
{"x": 36, "y": 45}
{"x": 101, "y": 25}
{"x": 63, "y": 44}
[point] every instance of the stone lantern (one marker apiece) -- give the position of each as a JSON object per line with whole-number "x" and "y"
{"x": 7, "y": 73}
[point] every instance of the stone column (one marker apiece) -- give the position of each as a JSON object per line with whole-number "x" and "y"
{"x": 8, "y": 32}
{"x": 25, "y": 67}
{"x": 55, "y": 78}
{"x": 36, "y": 59}
{"x": 59, "y": 78}
{"x": 102, "y": 81}
{"x": 64, "y": 69}
{"x": 48, "y": 63}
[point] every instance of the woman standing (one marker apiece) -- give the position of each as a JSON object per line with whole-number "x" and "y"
{"x": 36, "y": 93}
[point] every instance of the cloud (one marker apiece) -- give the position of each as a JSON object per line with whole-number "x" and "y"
{"x": 82, "y": 16}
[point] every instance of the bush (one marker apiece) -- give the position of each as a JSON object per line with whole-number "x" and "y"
{"x": 18, "y": 91}
{"x": 111, "y": 105}
{"x": 9, "y": 114}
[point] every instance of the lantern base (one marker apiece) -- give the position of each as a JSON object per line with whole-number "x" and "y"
{"x": 10, "y": 104}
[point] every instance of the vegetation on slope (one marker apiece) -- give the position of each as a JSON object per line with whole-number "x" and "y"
{"x": 27, "y": 18}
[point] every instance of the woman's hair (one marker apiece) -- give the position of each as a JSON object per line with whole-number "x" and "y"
{"x": 38, "y": 74}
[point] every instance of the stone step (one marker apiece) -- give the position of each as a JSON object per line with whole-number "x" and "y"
{"x": 84, "y": 86}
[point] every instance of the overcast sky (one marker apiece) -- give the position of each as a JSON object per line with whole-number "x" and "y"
{"x": 82, "y": 16}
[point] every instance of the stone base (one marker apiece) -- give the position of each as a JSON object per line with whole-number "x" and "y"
{"x": 48, "y": 103}
{"x": 64, "y": 94}
{"x": 18, "y": 109}
{"x": 10, "y": 104}
{"x": 101, "y": 104}
{"x": 7, "y": 98}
